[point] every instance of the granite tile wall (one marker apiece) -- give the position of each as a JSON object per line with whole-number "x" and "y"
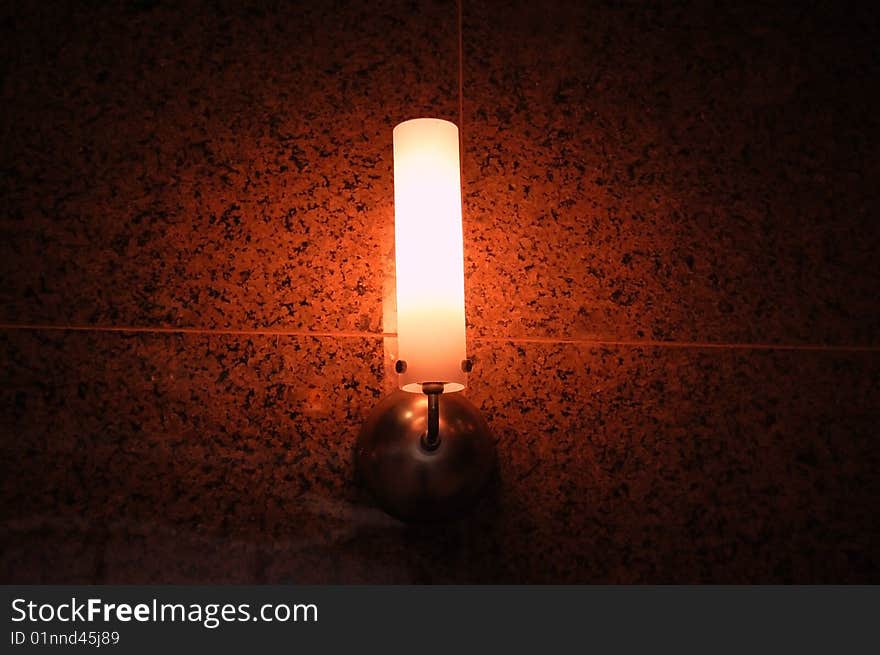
{"x": 670, "y": 221}
{"x": 691, "y": 173}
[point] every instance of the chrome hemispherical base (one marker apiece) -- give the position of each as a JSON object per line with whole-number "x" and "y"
{"x": 415, "y": 483}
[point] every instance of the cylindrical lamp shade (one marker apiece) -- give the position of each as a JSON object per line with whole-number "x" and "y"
{"x": 429, "y": 254}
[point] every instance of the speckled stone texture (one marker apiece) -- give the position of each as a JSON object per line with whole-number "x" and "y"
{"x": 226, "y": 459}
{"x": 696, "y": 172}
{"x": 204, "y": 190}
{"x": 214, "y": 165}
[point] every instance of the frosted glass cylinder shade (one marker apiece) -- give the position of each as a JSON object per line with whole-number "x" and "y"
{"x": 429, "y": 254}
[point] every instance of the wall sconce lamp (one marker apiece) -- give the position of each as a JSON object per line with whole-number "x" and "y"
{"x": 425, "y": 452}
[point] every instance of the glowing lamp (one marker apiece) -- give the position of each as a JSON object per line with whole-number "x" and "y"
{"x": 425, "y": 452}
{"x": 429, "y": 254}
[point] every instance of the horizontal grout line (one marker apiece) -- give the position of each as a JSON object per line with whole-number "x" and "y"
{"x": 717, "y": 345}
{"x": 382, "y": 335}
{"x": 186, "y": 330}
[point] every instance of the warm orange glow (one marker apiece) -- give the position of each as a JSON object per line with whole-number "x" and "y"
{"x": 430, "y": 260}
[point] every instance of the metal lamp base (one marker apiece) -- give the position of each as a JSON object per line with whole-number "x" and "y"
{"x": 418, "y": 481}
